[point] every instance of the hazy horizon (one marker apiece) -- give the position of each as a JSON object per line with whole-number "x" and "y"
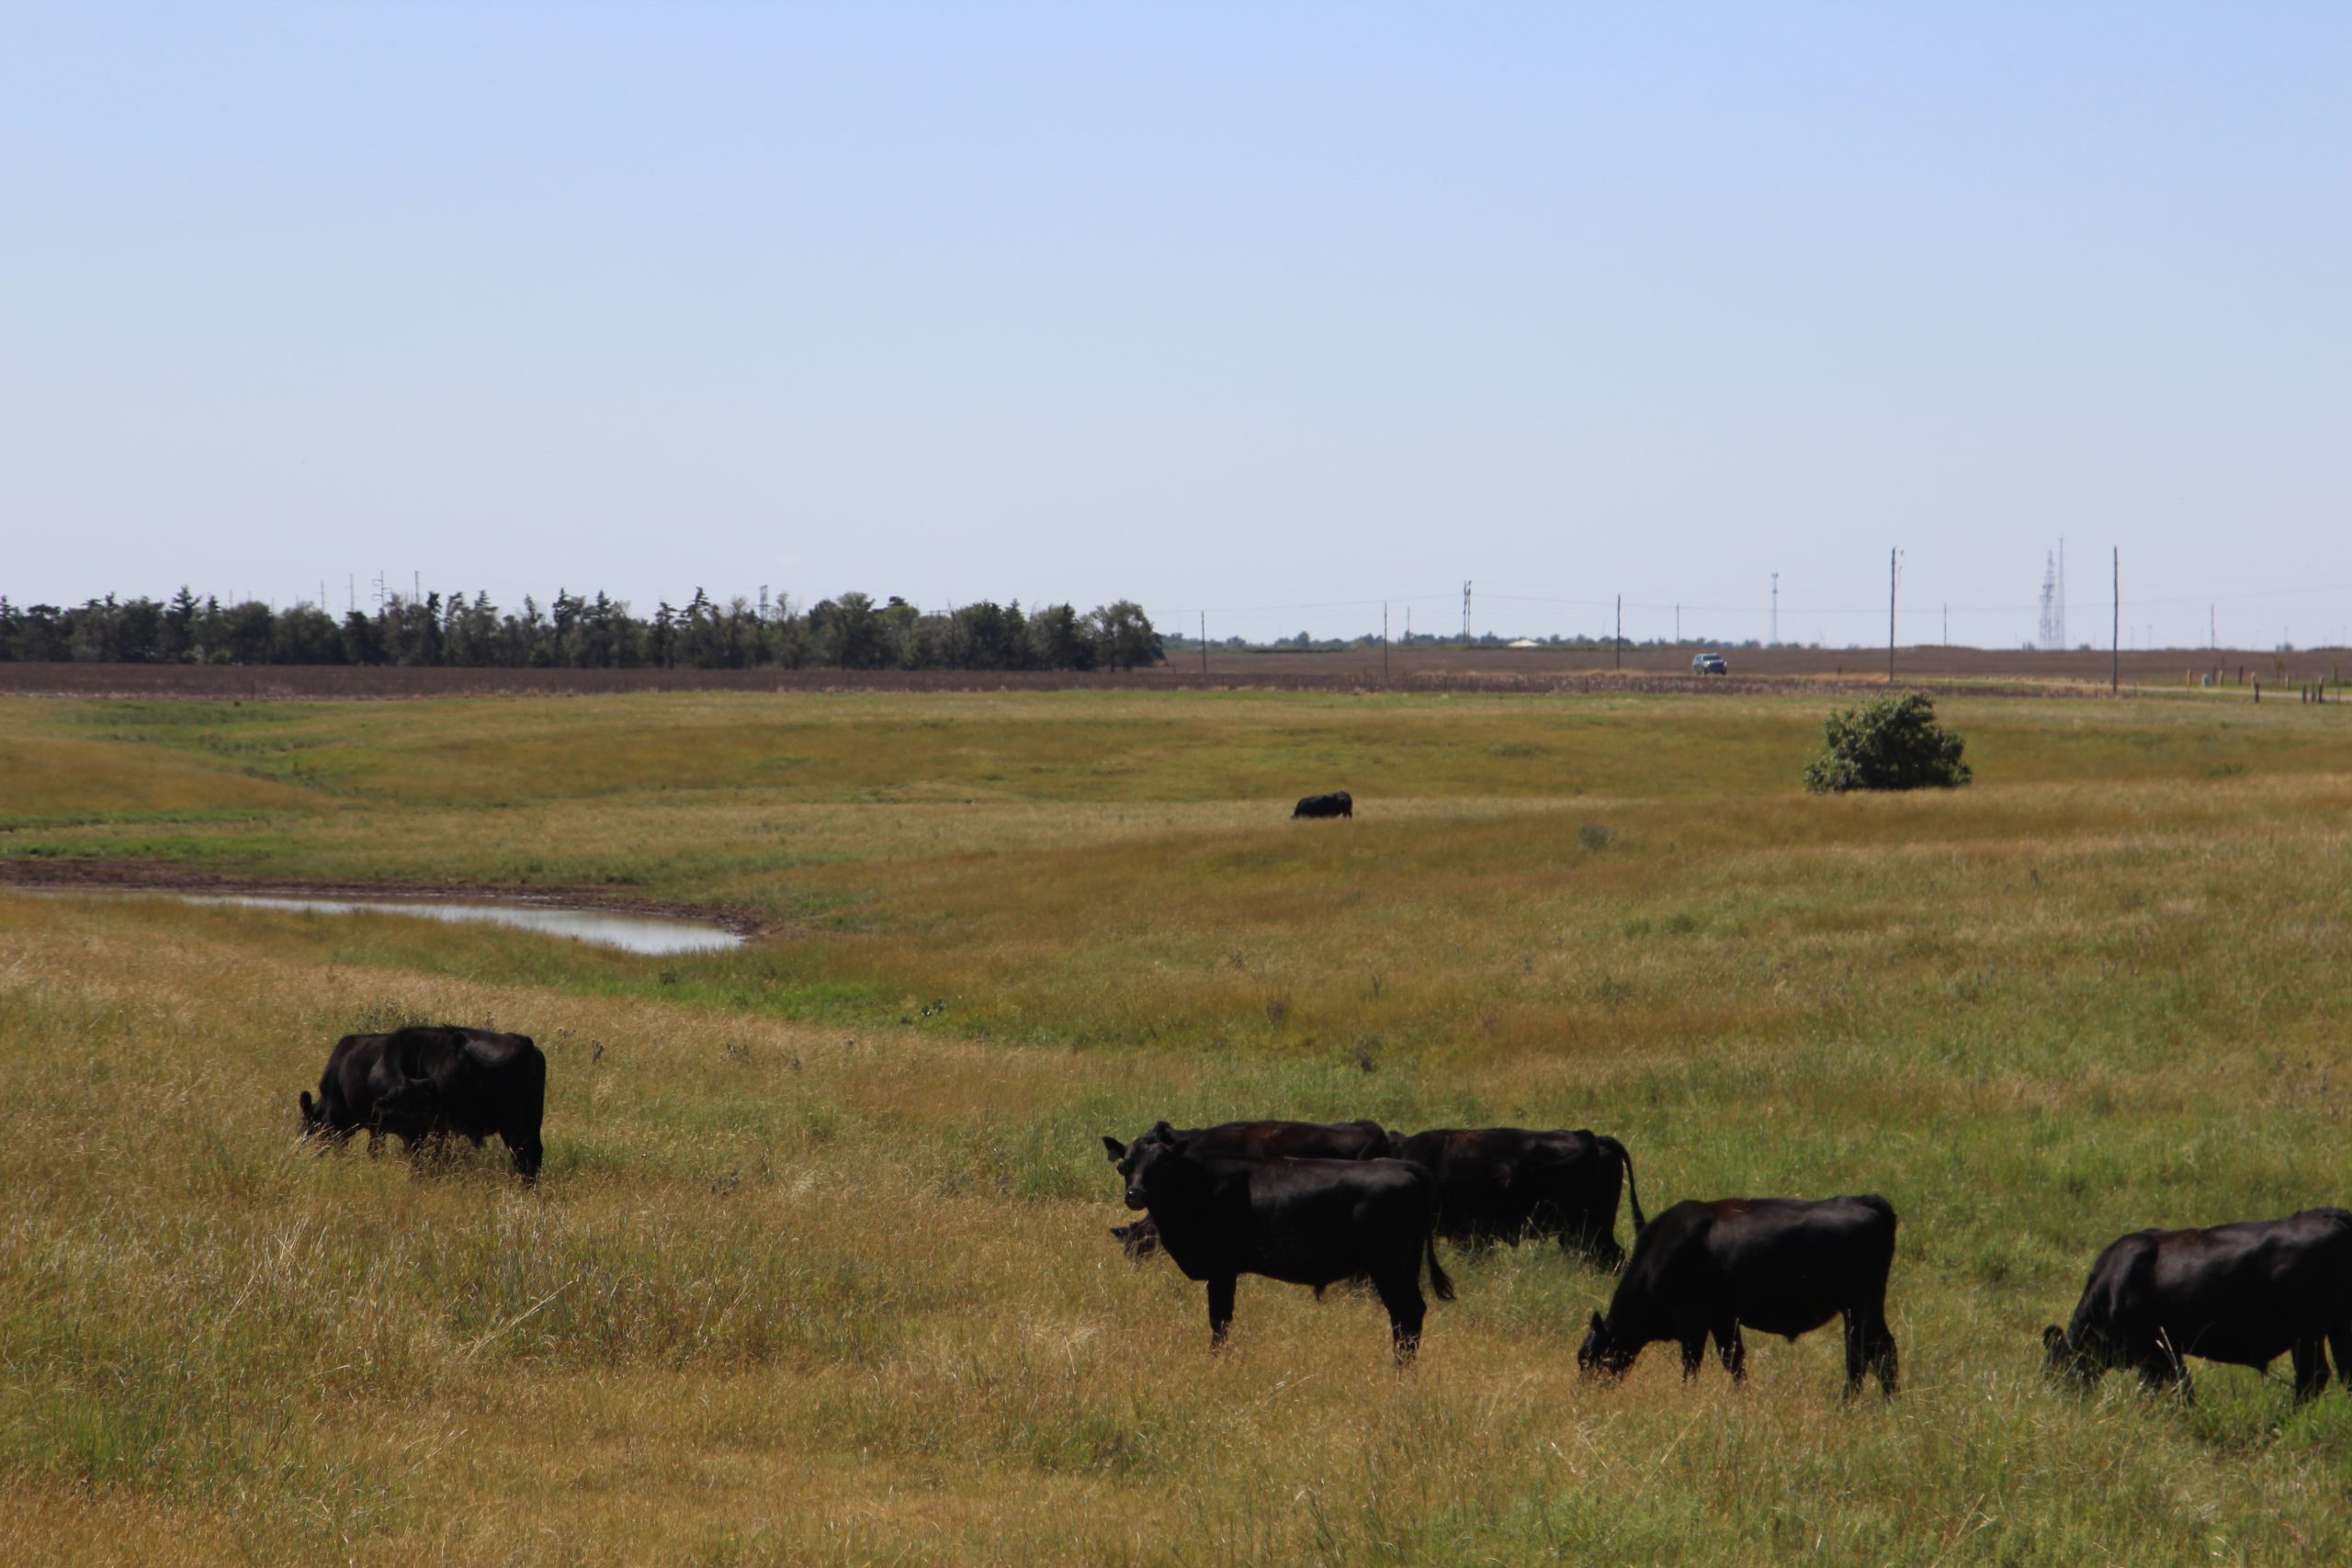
{"x": 1274, "y": 313}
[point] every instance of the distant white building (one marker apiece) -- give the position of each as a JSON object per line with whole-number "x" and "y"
{"x": 1522, "y": 642}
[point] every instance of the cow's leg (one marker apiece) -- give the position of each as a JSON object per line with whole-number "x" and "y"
{"x": 1880, "y": 1350}
{"x": 1694, "y": 1354}
{"x": 1732, "y": 1348}
{"x": 1401, "y": 1294}
{"x": 2160, "y": 1370}
{"x": 375, "y": 1141}
{"x": 1220, "y": 1306}
{"x": 2311, "y": 1368}
{"x": 1870, "y": 1347}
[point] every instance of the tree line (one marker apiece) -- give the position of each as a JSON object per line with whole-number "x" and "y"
{"x": 579, "y": 632}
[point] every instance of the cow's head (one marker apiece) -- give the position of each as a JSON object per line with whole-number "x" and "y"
{"x": 1160, "y": 1132}
{"x": 314, "y": 1116}
{"x": 1602, "y": 1352}
{"x": 1148, "y": 1165}
{"x": 2062, "y": 1358}
{"x": 1138, "y": 1241}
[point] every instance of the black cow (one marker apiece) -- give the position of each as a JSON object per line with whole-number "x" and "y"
{"x": 1307, "y": 1221}
{"x": 1257, "y": 1139}
{"x": 429, "y": 1082}
{"x": 2239, "y": 1294}
{"x": 1782, "y": 1265}
{"x": 1335, "y": 803}
{"x": 1503, "y": 1183}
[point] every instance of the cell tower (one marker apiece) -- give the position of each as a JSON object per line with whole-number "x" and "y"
{"x": 2053, "y": 599}
{"x": 1465, "y": 611}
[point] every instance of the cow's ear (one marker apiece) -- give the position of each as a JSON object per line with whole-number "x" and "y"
{"x": 306, "y": 1102}
{"x": 2053, "y": 1337}
{"x": 1118, "y": 1151}
{"x": 1162, "y": 1131}
{"x": 1595, "y": 1323}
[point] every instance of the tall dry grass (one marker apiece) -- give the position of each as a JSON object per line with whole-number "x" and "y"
{"x": 806, "y": 1283}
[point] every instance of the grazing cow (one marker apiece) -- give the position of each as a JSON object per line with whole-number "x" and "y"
{"x": 2239, "y": 1294}
{"x": 1307, "y": 1221}
{"x": 1257, "y": 1139}
{"x": 429, "y": 1082}
{"x": 1782, "y": 1265}
{"x": 1335, "y": 803}
{"x": 1503, "y": 1183}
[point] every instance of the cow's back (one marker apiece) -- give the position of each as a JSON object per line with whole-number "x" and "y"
{"x": 2233, "y": 1293}
{"x": 1790, "y": 1264}
{"x": 1315, "y": 1221}
{"x": 1501, "y": 1181}
{"x": 1286, "y": 1139}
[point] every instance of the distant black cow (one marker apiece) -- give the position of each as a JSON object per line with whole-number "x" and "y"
{"x": 1503, "y": 1183}
{"x": 1314, "y": 1140}
{"x": 1781, "y": 1265}
{"x": 429, "y": 1082}
{"x": 1335, "y": 803}
{"x": 2239, "y": 1294}
{"x": 1308, "y": 1221}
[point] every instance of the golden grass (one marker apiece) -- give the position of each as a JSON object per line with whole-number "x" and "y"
{"x": 805, "y": 1283}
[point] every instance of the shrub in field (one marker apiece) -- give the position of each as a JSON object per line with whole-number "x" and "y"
{"x": 1886, "y": 743}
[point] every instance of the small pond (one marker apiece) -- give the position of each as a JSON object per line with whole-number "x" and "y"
{"x": 656, "y": 934}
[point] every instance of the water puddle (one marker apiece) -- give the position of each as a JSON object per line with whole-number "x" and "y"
{"x": 659, "y": 935}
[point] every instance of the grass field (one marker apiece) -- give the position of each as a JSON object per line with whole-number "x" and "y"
{"x": 818, "y": 1271}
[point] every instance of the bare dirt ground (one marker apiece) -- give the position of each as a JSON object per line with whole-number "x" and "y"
{"x": 1754, "y": 672}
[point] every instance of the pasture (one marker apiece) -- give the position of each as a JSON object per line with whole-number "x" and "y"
{"x": 818, "y": 1270}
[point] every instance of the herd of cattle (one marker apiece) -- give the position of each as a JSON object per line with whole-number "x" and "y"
{"x": 1317, "y": 1203}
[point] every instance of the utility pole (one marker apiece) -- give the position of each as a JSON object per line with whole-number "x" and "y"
{"x": 1621, "y": 631}
{"x": 2212, "y": 643}
{"x": 351, "y": 592}
{"x": 1678, "y": 624}
{"x": 2115, "y": 643}
{"x": 1465, "y": 612}
{"x": 1890, "y": 617}
{"x": 1204, "y": 642}
{"x": 1384, "y": 642}
{"x": 1775, "y": 637}
{"x": 1947, "y": 622}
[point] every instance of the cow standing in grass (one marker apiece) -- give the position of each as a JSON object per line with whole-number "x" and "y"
{"x": 425, "y": 1083}
{"x": 1258, "y": 1140}
{"x": 1338, "y": 803}
{"x": 2241, "y": 1295}
{"x": 1506, "y": 1183}
{"x": 1306, "y": 1222}
{"x": 1782, "y": 1265}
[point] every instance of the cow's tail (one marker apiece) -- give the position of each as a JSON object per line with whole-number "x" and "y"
{"x": 1440, "y": 1286}
{"x": 1633, "y": 1193}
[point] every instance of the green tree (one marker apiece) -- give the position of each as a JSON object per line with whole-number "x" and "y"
{"x": 1889, "y": 742}
{"x": 1123, "y": 638}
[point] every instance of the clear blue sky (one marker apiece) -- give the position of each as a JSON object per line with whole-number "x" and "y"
{"x": 1251, "y": 308}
